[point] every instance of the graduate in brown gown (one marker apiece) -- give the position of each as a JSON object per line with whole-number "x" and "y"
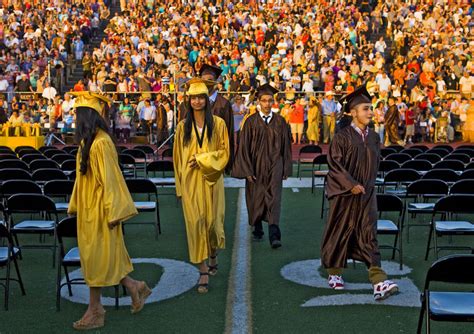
{"x": 220, "y": 106}
{"x": 351, "y": 228}
{"x": 264, "y": 160}
{"x": 392, "y": 119}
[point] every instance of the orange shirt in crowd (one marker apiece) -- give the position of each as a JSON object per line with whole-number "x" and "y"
{"x": 399, "y": 74}
{"x": 297, "y": 115}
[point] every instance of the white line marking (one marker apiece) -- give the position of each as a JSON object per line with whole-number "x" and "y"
{"x": 230, "y": 182}
{"x": 295, "y": 190}
{"x": 239, "y": 313}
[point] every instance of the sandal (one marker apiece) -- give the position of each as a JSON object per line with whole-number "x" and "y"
{"x": 203, "y": 287}
{"x": 143, "y": 293}
{"x": 97, "y": 321}
{"x": 213, "y": 269}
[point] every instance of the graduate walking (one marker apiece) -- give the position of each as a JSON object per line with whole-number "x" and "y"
{"x": 264, "y": 160}
{"x": 351, "y": 228}
{"x": 200, "y": 155}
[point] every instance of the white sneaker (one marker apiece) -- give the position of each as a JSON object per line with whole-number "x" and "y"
{"x": 336, "y": 282}
{"x": 384, "y": 289}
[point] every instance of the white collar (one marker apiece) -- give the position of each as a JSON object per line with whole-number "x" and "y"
{"x": 213, "y": 96}
{"x": 269, "y": 116}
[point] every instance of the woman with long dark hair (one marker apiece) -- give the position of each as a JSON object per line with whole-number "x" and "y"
{"x": 200, "y": 154}
{"x": 101, "y": 201}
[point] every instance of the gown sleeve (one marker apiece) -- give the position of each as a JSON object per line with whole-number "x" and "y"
{"x": 118, "y": 203}
{"x": 339, "y": 180}
{"x": 177, "y": 157}
{"x": 212, "y": 164}
{"x": 287, "y": 158}
{"x": 243, "y": 164}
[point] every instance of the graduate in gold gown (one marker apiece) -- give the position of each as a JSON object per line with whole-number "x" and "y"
{"x": 101, "y": 201}
{"x": 200, "y": 155}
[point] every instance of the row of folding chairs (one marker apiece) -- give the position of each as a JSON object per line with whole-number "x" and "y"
{"x": 40, "y": 175}
{"x": 403, "y": 176}
{"x": 423, "y": 148}
{"x": 66, "y": 165}
{"x": 431, "y": 157}
{"x": 422, "y": 165}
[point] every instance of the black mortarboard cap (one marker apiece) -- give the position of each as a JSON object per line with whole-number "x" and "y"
{"x": 266, "y": 89}
{"x": 358, "y": 96}
{"x": 215, "y": 71}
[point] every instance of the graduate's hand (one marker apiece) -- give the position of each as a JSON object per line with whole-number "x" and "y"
{"x": 358, "y": 189}
{"x": 193, "y": 163}
{"x": 251, "y": 179}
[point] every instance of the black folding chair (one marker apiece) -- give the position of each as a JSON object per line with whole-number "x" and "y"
{"x": 431, "y": 157}
{"x": 306, "y": 156}
{"x": 61, "y": 157}
{"x": 149, "y": 151}
{"x": 166, "y": 168}
{"x": 399, "y": 179}
{"x": 42, "y": 149}
{"x": 37, "y": 204}
{"x": 399, "y": 157}
{"x": 13, "y": 187}
{"x": 121, "y": 148}
{"x": 448, "y": 148}
{"x": 397, "y": 148}
{"x": 61, "y": 189}
{"x": 8, "y": 156}
{"x": 48, "y": 174}
{"x": 465, "y": 186}
{"x": 40, "y": 164}
{"x": 128, "y": 165}
{"x": 453, "y": 306}
{"x": 69, "y": 258}
{"x": 167, "y": 154}
{"x": 6, "y": 149}
{"x": 455, "y": 165}
{"x": 421, "y": 191}
{"x": 448, "y": 207}
{"x": 28, "y": 158}
{"x": 423, "y": 148}
{"x": 386, "y": 151}
{"x": 68, "y": 166}
{"x": 468, "y": 174}
{"x": 13, "y": 163}
{"x": 446, "y": 175}
{"x": 391, "y": 204}
{"x": 317, "y": 172}
{"x": 14, "y": 174}
{"x": 140, "y": 158}
{"x": 146, "y": 187}
{"x": 52, "y": 152}
{"x": 441, "y": 151}
{"x": 465, "y": 146}
{"x": 413, "y": 152}
{"x": 418, "y": 165}
{"x": 9, "y": 254}
{"x": 465, "y": 151}
{"x": 464, "y": 158}
{"x": 70, "y": 148}
{"x": 24, "y": 150}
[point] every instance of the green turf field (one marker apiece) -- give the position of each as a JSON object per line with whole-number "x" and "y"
{"x": 274, "y": 302}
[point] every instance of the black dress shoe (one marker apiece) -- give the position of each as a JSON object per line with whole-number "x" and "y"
{"x": 275, "y": 236}
{"x": 258, "y": 232}
{"x": 276, "y": 244}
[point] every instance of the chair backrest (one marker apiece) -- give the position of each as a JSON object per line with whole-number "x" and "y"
{"x": 14, "y": 174}
{"x": 389, "y": 203}
{"x": 42, "y": 149}
{"x": 6, "y": 150}
{"x": 463, "y": 187}
{"x": 399, "y": 157}
{"x": 126, "y": 159}
{"x": 418, "y": 165}
{"x": 8, "y": 156}
{"x": 423, "y": 148}
{"x": 48, "y": 174}
{"x": 30, "y": 157}
{"x": 388, "y": 165}
{"x": 12, "y": 187}
{"x": 467, "y": 174}
{"x": 442, "y": 152}
{"x": 465, "y": 158}
{"x": 145, "y": 148}
{"x": 60, "y": 158}
{"x": 30, "y": 203}
{"x": 413, "y": 152}
{"x": 307, "y": 149}
{"x": 28, "y": 151}
{"x": 458, "y": 203}
{"x": 433, "y": 158}
{"x": 465, "y": 146}
{"x": 141, "y": 186}
{"x": 137, "y": 154}
{"x": 402, "y": 175}
{"x": 386, "y": 151}
{"x": 470, "y": 166}
{"x": 321, "y": 159}
{"x": 58, "y": 188}
{"x": 450, "y": 164}
{"x": 18, "y": 149}
{"x": 466, "y": 151}
{"x": 427, "y": 187}
{"x": 160, "y": 166}
{"x": 69, "y": 148}
{"x": 52, "y": 152}
{"x": 67, "y": 228}
{"x": 397, "y": 148}
{"x": 13, "y": 163}
{"x": 458, "y": 268}
{"x": 167, "y": 153}
{"x": 38, "y": 164}
{"x": 448, "y": 148}
{"x": 446, "y": 175}
{"x": 121, "y": 148}
{"x": 68, "y": 165}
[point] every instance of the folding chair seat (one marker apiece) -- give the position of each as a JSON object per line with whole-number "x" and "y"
{"x": 8, "y": 255}
{"x": 451, "y": 306}
{"x": 166, "y": 169}
{"x": 391, "y": 204}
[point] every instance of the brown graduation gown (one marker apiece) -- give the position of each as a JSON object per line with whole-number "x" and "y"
{"x": 351, "y": 228}
{"x": 221, "y": 108}
{"x": 264, "y": 151}
{"x": 392, "y": 118}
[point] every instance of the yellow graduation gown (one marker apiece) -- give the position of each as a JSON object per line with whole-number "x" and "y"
{"x": 99, "y": 197}
{"x": 202, "y": 189}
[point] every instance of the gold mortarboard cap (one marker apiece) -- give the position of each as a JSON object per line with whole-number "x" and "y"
{"x": 198, "y": 86}
{"x": 90, "y": 100}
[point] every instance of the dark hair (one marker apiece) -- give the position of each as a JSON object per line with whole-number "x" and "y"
{"x": 189, "y": 120}
{"x": 88, "y": 121}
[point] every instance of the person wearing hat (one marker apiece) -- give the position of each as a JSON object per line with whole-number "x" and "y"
{"x": 101, "y": 201}
{"x": 200, "y": 155}
{"x": 220, "y": 106}
{"x": 351, "y": 227}
{"x": 329, "y": 108}
{"x": 264, "y": 160}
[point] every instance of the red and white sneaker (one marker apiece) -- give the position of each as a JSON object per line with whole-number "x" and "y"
{"x": 384, "y": 289}
{"x": 336, "y": 282}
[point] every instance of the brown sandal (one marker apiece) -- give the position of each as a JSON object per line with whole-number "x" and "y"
{"x": 203, "y": 287}
{"x": 143, "y": 293}
{"x": 97, "y": 321}
{"x": 213, "y": 269}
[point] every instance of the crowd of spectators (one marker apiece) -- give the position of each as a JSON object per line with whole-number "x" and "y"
{"x": 418, "y": 52}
